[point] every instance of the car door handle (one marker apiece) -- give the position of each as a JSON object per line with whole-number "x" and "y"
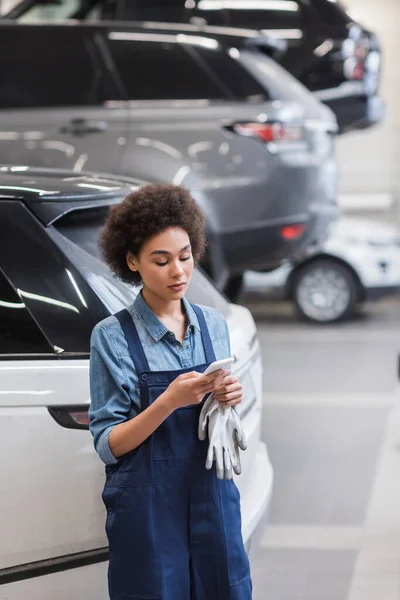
{"x": 83, "y": 127}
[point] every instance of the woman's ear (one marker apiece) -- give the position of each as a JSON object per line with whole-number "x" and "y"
{"x": 132, "y": 262}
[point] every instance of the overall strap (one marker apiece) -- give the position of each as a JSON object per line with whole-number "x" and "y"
{"x": 132, "y": 337}
{"x": 205, "y": 334}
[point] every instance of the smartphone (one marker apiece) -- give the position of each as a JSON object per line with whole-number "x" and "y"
{"x": 225, "y": 363}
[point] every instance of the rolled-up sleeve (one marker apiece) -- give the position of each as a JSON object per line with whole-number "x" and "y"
{"x": 110, "y": 392}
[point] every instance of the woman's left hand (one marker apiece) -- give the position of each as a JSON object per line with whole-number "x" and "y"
{"x": 230, "y": 392}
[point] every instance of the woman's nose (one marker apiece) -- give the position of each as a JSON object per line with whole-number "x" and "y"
{"x": 176, "y": 270}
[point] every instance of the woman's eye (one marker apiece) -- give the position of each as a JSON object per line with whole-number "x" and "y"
{"x": 163, "y": 264}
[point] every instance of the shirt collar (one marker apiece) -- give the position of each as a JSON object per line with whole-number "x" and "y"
{"x": 152, "y": 323}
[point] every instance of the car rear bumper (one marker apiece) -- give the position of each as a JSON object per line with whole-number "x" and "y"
{"x": 378, "y": 292}
{"x": 357, "y": 112}
{"x": 263, "y": 247}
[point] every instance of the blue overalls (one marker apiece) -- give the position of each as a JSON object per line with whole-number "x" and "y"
{"x": 174, "y": 529}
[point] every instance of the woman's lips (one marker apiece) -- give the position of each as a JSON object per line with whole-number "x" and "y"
{"x": 177, "y": 286}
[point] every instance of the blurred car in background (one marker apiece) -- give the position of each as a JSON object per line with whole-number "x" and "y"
{"x": 360, "y": 261}
{"x": 208, "y": 111}
{"x": 53, "y": 290}
{"x": 323, "y": 47}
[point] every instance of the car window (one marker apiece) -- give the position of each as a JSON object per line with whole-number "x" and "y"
{"x": 77, "y": 235}
{"x": 281, "y": 84}
{"x": 7, "y": 5}
{"x": 19, "y": 333}
{"x": 161, "y": 70}
{"x": 54, "y": 10}
{"x": 330, "y": 12}
{"x": 232, "y": 74}
{"x": 61, "y": 68}
{"x": 144, "y": 10}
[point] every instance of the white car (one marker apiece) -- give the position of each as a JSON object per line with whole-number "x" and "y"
{"x": 53, "y": 289}
{"x": 359, "y": 261}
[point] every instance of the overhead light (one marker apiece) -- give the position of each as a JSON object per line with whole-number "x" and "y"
{"x": 76, "y": 288}
{"x": 234, "y": 53}
{"x": 5, "y": 304}
{"x": 47, "y": 300}
{"x": 197, "y": 40}
{"x": 180, "y": 38}
{"x": 141, "y": 37}
{"x": 280, "y": 5}
{"x": 284, "y": 34}
{"x": 324, "y": 48}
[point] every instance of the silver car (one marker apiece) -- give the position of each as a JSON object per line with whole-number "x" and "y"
{"x": 169, "y": 103}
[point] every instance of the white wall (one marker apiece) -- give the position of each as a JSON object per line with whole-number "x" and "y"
{"x": 369, "y": 160}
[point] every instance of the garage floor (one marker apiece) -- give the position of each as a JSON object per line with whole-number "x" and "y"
{"x": 332, "y": 425}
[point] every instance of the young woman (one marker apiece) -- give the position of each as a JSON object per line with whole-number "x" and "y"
{"x": 174, "y": 528}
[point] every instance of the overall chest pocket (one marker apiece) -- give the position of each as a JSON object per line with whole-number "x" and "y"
{"x": 177, "y": 437}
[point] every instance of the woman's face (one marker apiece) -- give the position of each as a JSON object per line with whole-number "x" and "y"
{"x": 165, "y": 264}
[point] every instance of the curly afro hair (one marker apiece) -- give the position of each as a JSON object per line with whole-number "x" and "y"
{"x": 143, "y": 214}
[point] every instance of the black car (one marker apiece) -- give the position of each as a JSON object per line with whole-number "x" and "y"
{"x": 320, "y": 44}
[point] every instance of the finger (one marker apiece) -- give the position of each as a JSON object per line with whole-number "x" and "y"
{"x": 230, "y": 379}
{"x": 217, "y": 377}
{"x": 229, "y": 387}
{"x": 207, "y": 405}
{"x": 228, "y": 397}
{"x": 239, "y": 435}
{"x": 227, "y": 464}
{"x": 238, "y": 466}
{"x": 210, "y": 457}
{"x": 241, "y": 439}
{"x": 233, "y": 392}
{"x": 214, "y": 375}
{"x": 206, "y": 384}
{"x": 202, "y": 430}
{"x": 219, "y": 461}
{"x": 190, "y": 375}
{"x": 234, "y": 402}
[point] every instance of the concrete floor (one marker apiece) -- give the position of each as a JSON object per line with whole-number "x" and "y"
{"x": 332, "y": 426}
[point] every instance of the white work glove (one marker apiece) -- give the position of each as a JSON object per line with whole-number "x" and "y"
{"x": 226, "y": 436}
{"x": 235, "y": 439}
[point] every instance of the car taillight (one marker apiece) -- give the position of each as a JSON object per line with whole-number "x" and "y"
{"x": 292, "y": 232}
{"x": 71, "y": 417}
{"x": 360, "y": 54}
{"x": 270, "y": 132}
{"x": 355, "y": 53}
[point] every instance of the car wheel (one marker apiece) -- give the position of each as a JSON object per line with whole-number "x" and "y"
{"x": 324, "y": 291}
{"x": 234, "y": 287}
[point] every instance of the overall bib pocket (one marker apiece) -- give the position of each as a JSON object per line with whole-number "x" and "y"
{"x": 177, "y": 437}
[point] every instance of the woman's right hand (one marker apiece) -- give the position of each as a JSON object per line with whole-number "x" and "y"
{"x": 190, "y": 388}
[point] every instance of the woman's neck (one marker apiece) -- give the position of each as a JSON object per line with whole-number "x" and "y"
{"x": 163, "y": 309}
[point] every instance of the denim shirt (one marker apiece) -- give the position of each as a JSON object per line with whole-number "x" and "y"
{"x": 114, "y": 383}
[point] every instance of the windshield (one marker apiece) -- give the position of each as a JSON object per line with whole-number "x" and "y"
{"x": 77, "y": 234}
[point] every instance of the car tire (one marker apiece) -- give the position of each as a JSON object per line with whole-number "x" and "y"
{"x": 234, "y": 287}
{"x": 325, "y": 291}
